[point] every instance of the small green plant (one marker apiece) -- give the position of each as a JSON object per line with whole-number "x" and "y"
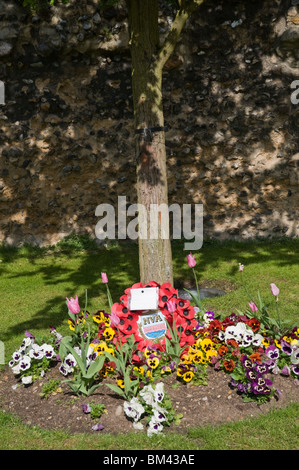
{"x": 173, "y": 347}
{"x": 49, "y": 388}
{"x": 123, "y": 360}
{"x": 97, "y": 410}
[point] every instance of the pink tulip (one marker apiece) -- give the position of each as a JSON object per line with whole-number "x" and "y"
{"x": 171, "y": 306}
{"x": 253, "y": 307}
{"x": 191, "y": 260}
{"x": 104, "y": 278}
{"x": 274, "y": 289}
{"x": 73, "y": 305}
{"x": 114, "y": 319}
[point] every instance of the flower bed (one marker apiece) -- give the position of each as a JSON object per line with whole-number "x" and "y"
{"x": 136, "y": 348}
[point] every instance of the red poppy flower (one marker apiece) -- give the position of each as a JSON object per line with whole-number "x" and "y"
{"x": 185, "y": 330}
{"x": 183, "y": 317}
{"x": 187, "y": 313}
{"x": 128, "y": 325}
{"x": 151, "y": 284}
{"x": 166, "y": 292}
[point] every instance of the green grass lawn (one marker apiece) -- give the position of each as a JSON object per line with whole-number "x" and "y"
{"x": 35, "y": 282}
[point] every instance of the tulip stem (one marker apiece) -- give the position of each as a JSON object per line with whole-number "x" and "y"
{"x": 196, "y": 282}
{"x": 277, "y": 311}
{"x": 109, "y": 296}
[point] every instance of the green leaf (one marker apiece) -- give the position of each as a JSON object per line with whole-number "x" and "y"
{"x": 62, "y": 348}
{"x": 93, "y": 388}
{"x": 116, "y": 389}
{"x": 77, "y": 357}
{"x": 196, "y": 300}
{"x": 95, "y": 367}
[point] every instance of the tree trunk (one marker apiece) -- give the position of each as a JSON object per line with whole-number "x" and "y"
{"x": 148, "y": 60}
{"x": 155, "y": 258}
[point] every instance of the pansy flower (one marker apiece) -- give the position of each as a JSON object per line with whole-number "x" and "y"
{"x": 261, "y": 368}
{"x": 101, "y": 317}
{"x": 254, "y": 324}
{"x": 109, "y": 334}
{"x": 247, "y": 363}
{"x": 222, "y": 350}
{"x": 229, "y": 365}
{"x": 188, "y": 376}
{"x": 152, "y": 361}
{"x": 286, "y": 347}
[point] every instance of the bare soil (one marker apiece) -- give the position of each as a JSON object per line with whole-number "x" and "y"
{"x": 200, "y": 405}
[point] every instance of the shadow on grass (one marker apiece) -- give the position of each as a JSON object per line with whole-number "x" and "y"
{"x": 120, "y": 262}
{"x": 283, "y": 252}
{"x": 67, "y": 279}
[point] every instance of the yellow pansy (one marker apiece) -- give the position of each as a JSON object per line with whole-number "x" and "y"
{"x": 152, "y": 362}
{"x": 180, "y": 371}
{"x": 191, "y": 353}
{"x": 266, "y": 342}
{"x": 121, "y": 383}
{"x": 108, "y": 334}
{"x": 149, "y": 373}
{"x": 188, "y": 376}
{"x": 111, "y": 351}
{"x": 210, "y": 354}
{"x": 100, "y": 317}
{"x": 198, "y": 357}
{"x": 206, "y": 344}
{"x": 139, "y": 369}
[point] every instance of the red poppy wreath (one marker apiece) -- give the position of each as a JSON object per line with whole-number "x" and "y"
{"x": 150, "y": 327}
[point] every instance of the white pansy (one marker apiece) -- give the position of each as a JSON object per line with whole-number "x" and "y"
{"x": 159, "y": 392}
{"x": 257, "y": 340}
{"x": 295, "y": 356}
{"x": 148, "y": 394}
{"x": 160, "y": 415}
{"x": 25, "y": 363}
{"x": 78, "y": 350}
{"x": 65, "y": 369}
{"x": 16, "y": 369}
{"x": 70, "y": 361}
{"x": 48, "y": 351}
{"x": 17, "y": 355}
{"x": 36, "y": 352}
{"x": 154, "y": 427}
{"x": 242, "y": 334}
{"x": 133, "y": 409}
{"x": 27, "y": 380}
{"x": 26, "y": 343}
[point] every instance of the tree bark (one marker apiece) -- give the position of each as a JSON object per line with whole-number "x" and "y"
{"x": 155, "y": 258}
{"x": 148, "y": 60}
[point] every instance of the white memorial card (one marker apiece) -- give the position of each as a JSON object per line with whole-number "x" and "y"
{"x": 145, "y": 298}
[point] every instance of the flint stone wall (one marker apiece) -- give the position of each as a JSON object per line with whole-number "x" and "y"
{"x": 66, "y": 129}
